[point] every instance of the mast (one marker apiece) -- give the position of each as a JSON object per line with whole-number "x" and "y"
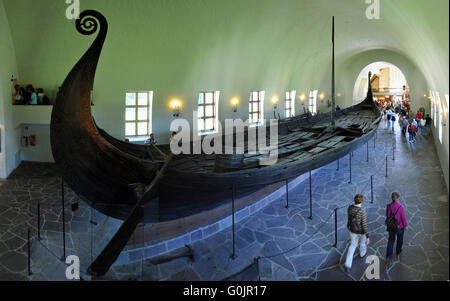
{"x": 333, "y": 92}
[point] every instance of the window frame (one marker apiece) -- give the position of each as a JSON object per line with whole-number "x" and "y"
{"x": 433, "y": 97}
{"x": 260, "y": 111}
{"x": 136, "y": 106}
{"x": 215, "y": 112}
{"x": 312, "y": 107}
{"x": 290, "y": 103}
{"x": 438, "y": 99}
{"x": 432, "y": 104}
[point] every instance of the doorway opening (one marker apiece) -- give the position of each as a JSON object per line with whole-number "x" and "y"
{"x": 389, "y": 85}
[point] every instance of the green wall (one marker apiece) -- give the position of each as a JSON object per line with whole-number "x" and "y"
{"x": 9, "y": 142}
{"x": 179, "y": 47}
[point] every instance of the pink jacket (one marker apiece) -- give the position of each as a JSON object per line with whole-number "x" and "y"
{"x": 400, "y": 216}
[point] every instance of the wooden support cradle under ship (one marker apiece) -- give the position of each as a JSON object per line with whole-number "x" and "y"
{"x": 120, "y": 179}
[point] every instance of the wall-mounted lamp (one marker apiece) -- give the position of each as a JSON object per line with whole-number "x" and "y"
{"x": 339, "y": 94}
{"x": 175, "y": 104}
{"x": 235, "y": 103}
{"x": 275, "y": 102}
{"x": 322, "y": 96}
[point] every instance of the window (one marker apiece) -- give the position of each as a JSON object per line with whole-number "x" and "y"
{"x": 138, "y": 113}
{"x": 290, "y": 103}
{"x": 313, "y": 102}
{"x": 208, "y": 111}
{"x": 256, "y": 107}
{"x": 432, "y": 103}
{"x": 433, "y": 98}
{"x": 438, "y": 99}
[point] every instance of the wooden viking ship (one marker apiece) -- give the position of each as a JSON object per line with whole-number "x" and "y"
{"x": 120, "y": 179}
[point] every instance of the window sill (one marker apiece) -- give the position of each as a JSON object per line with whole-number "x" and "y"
{"x": 207, "y": 133}
{"x": 137, "y": 138}
{"x": 252, "y": 125}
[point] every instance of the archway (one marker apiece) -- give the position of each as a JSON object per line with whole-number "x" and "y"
{"x": 389, "y": 84}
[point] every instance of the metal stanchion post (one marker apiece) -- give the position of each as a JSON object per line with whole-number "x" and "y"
{"x": 233, "y": 255}
{"x": 386, "y": 166}
{"x": 393, "y": 153}
{"x": 335, "y": 228}
{"x": 39, "y": 220}
{"x": 310, "y": 195}
{"x": 337, "y": 164}
{"x": 29, "y": 254}
{"x": 350, "y": 157}
{"x": 257, "y": 267}
{"x": 367, "y": 151}
{"x": 63, "y": 221}
{"x": 287, "y": 193}
{"x": 374, "y": 139}
{"x": 371, "y": 189}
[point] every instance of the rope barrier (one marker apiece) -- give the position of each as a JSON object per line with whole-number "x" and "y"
{"x": 257, "y": 259}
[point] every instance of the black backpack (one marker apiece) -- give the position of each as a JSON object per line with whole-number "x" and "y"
{"x": 354, "y": 226}
{"x": 391, "y": 221}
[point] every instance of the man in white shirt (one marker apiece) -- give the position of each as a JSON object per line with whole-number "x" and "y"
{"x": 389, "y": 116}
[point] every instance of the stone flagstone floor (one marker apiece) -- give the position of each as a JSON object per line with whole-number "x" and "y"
{"x": 307, "y": 245}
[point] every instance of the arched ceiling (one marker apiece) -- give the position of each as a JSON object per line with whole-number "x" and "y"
{"x": 178, "y": 47}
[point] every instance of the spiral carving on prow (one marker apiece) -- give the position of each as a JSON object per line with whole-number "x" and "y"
{"x": 89, "y": 21}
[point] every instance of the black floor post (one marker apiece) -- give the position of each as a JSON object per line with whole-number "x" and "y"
{"x": 335, "y": 228}
{"x": 374, "y": 140}
{"x": 386, "y": 166}
{"x": 393, "y": 152}
{"x": 63, "y": 221}
{"x": 371, "y": 189}
{"x": 367, "y": 150}
{"x": 310, "y": 195}
{"x": 350, "y": 168}
{"x": 39, "y": 220}
{"x": 287, "y": 193}
{"x": 29, "y": 254}
{"x": 233, "y": 255}
{"x": 337, "y": 164}
{"x": 257, "y": 268}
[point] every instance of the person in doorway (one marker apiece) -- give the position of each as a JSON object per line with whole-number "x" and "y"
{"x": 415, "y": 129}
{"x": 393, "y": 119}
{"x": 419, "y": 115}
{"x": 423, "y": 123}
{"x": 405, "y": 125}
{"x": 428, "y": 122}
{"x": 359, "y": 231}
{"x": 388, "y": 116}
{"x": 397, "y": 224}
{"x": 411, "y": 132}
